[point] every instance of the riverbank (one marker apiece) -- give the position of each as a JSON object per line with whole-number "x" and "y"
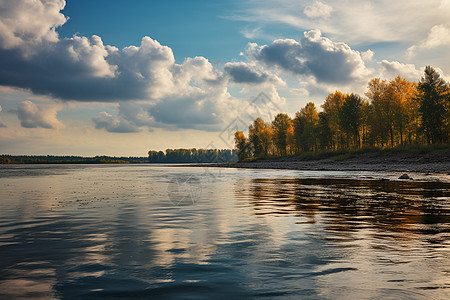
{"x": 429, "y": 162}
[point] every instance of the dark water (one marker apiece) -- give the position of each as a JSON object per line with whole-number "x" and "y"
{"x": 160, "y": 232}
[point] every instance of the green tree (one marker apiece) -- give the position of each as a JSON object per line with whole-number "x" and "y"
{"x": 351, "y": 118}
{"x": 299, "y": 126}
{"x": 433, "y": 98}
{"x": 324, "y": 131}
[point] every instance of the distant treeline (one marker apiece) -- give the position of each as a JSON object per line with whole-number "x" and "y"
{"x": 50, "y": 159}
{"x": 193, "y": 156}
{"x": 393, "y": 114}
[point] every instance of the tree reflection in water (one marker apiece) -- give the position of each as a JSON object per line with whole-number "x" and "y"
{"x": 345, "y": 206}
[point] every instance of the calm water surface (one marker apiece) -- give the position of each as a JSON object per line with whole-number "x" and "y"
{"x": 142, "y": 231}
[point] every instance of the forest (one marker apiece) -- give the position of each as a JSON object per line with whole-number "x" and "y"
{"x": 392, "y": 114}
{"x": 192, "y": 156}
{"x": 51, "y": 159}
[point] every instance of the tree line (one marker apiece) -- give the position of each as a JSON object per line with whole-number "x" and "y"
{"x": 192, "y": 156}
{"x": 394, "y": 113}
{"x": 51, "y": 159}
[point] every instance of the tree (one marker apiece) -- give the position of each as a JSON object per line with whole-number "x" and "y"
{"x": 281, "y": 125}
{"x": 401, "y": 93}
{"x": 433, "y": 98}
{"x": 255, "y": 136}
{"x": 290, "y": 140}
{"x": 351, "y": 116}
{"x": 324, "y": 131}
{"x": 392, "y": 111}
{"x": 241, "y": 144}
{"x": 398, "y": 112}
{"x": 380, "y": 119}
{"x": 267, "y": 140}
{"x": 299, "y": 126}
{"x": 365, "y": 115}
{"x": 191, "y": 155}
{"x": 305, "y": 124}
{"x": 331, "y": 107}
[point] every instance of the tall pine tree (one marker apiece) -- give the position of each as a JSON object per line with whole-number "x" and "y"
{"x": 433, "y": 97}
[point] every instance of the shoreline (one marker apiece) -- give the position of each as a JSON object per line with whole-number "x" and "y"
{"x": 394, "y": 162}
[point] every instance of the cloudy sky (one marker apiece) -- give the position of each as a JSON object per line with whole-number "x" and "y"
{"x": 118, "y": 77}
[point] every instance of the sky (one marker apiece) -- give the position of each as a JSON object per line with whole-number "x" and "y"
{"x": 119, "y": 78}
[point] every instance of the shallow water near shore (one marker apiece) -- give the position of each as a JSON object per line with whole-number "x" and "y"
{"x": 155, "y": 231}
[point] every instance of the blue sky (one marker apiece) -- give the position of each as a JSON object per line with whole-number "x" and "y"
{"x": 121, "y": 77}
{"x": 193, "y": 28}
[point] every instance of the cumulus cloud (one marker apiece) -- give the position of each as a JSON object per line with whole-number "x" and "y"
{"x": 327, "y": 61}
{"x": 33, "y": 116}
{"x": 439, "y": 36}
{"x": 392, "y": 69}
{"x": 29, "y": 22}
{"x": 318, "y": 9}
{"x": 113, "y": 124}
{"x": 152, "y": 88}
{"x": 85, "y": 69}
{"x": 266, "y": 105}
{"x": 187, "y": 113}
{"x": 367, "y": 55}
{"x": 1, "y": 123}
{"x": 206, "y": 110}
{"x": 242, "y": 72}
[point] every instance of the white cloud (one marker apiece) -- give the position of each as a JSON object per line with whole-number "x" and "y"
{"x": 1, "y": 123}
{"x": 255, "y": 33}
{"x": 439, "y": 36}
{"x": 33, "y": 116}
{"x": 154, "y": 91}
{"x": 207, "y": 110}
{"x": 367, "y": 55}
{"x": 444, "y": 75}
{"x": 328, "y": 61}
{"x": 300, "y": 91}
{"x": 392, "y": 69}
{"x": 112, "y": 124}
{"x": 318, "y": 9}
{"x": 84, "y": 69}
{"x": 356, "y": 22}
{"x": 25, "y": 22}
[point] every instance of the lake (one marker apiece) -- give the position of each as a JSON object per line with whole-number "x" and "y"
{"x": 172, "y": 232}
